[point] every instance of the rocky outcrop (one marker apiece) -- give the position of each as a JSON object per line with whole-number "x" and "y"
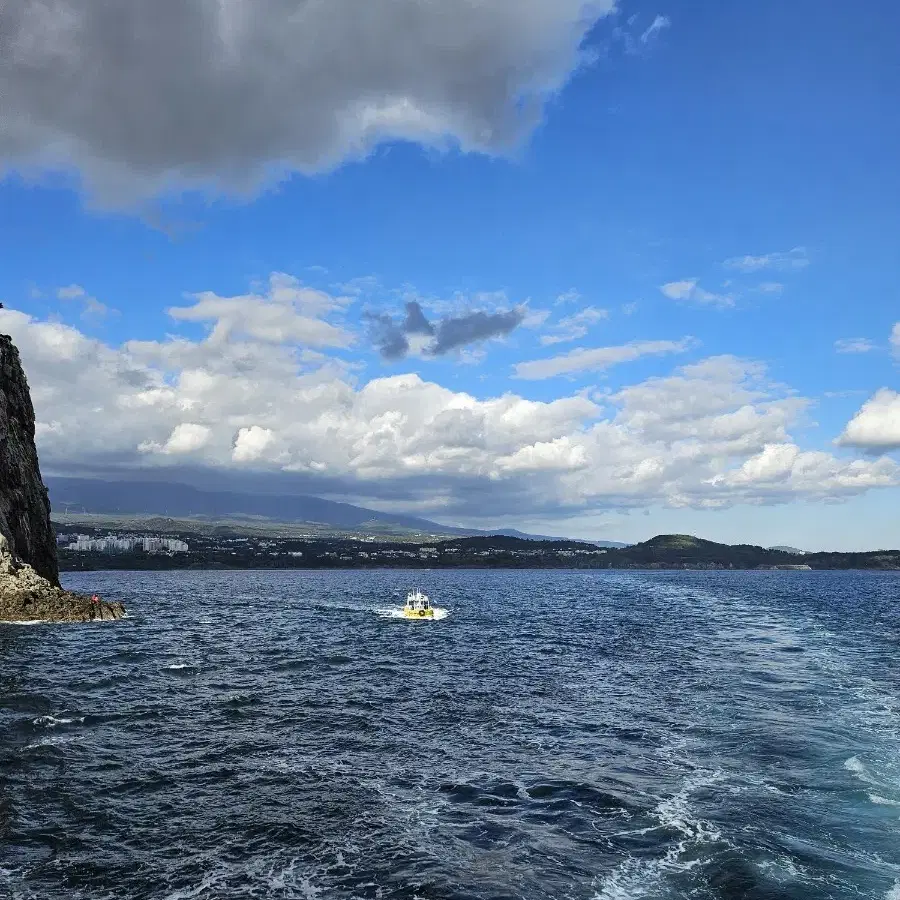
{"x": 24, "y": 505}
{"x": 26, "y": 596}
{"x": 29, "y": 574}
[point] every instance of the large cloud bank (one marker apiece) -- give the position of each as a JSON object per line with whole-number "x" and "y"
{"x": 266, "y": 390}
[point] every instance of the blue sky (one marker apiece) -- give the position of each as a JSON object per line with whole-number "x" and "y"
{"x": 711, "y": 186}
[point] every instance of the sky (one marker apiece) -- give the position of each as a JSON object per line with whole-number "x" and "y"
{"x": 600, "y": 269}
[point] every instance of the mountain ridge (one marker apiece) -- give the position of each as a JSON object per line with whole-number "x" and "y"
{"x": 97, "y": 497}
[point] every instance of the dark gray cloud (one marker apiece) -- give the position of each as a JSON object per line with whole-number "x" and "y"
{"x": 416, "y": 323}
{"x": 392, "y": 338}
{"x": 389, "y": 337}
{"x": 141, "y": 96}
{"x": 478, "y": 326}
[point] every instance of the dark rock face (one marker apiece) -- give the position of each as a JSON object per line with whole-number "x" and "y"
{"x": 29, "y": 574}
{"x": 24, "y": 505}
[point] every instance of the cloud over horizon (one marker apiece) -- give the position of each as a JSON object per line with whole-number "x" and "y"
{"x": 255, "y": 395}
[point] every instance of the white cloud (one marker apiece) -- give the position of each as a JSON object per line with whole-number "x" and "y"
{"x": 680, "y": 290}
{"x": 288, "y": 312}
{"x": 790, "y": 260}
{"x": 574, "y": 327}
{"x": 228, "y": 94}
{"x": 356, "y": 287}
{"x": 702, "y": 437}
{"x": 72, "y": 292}
{"x": 188, "y": 437}
{"x": 840, "y": 395}
{"x": 895, "y": 339}
{"x": 854, "y": 345}
{"x": 876, "y": 427}
{"x": 92, "y": 308}
{"x": 634, "y": 40}
{"x": 535, "y": 318}
{"x": 597, "y": 359}
{"x": 571, "y": 296}
{"x": 559, "y": 455}
{"x": 785, "y": 466}
{"x": 689, "y": 290}
{"x": 771, "y": 287}
{"x": 658, "y": 24}
{"x": 251, "y": 443}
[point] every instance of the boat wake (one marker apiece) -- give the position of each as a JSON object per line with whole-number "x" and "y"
{"x": 397, "y": 613}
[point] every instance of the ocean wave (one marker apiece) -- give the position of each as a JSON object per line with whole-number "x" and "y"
{"x": 267, "y": 878}
{"x": 53, "y": 721}
{"x": 52, "y": 741}
{"x": 637, "y": 877}
{"x": 882, "y": 801}
{"x": 862, "y": 773}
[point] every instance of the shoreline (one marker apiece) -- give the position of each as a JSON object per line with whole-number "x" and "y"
{"x": 497, "y": 568}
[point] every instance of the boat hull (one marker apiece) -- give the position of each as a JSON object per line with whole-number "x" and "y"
{"x": 418, "y": 613}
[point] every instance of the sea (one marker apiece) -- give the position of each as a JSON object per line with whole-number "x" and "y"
{"x": 594, "y": 735}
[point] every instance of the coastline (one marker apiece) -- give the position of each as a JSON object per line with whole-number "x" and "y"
{"x": 482, "y": 568}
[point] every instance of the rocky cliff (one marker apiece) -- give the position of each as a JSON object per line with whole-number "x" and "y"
{"x": 24, "y": 507}
{"x": 29, "y": 575}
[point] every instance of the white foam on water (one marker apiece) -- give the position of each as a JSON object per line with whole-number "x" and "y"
{"x": 894, "y": 892}
{"x": 178, "y": 666}
{"x": 783, "y": 867}
{"x": 632, "y": 880}
{"x": 260, "y": 879}
{"x": 397, "y": 613}
{"x": 855, "y": 765}
{"x": 53, "y": 721}
{"x": 642, "y": 878}
{"x": 882, "y": 801}
{"x": 53, "y": 741}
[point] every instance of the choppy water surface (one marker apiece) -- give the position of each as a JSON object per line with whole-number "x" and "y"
{"x": 557, "y": 735}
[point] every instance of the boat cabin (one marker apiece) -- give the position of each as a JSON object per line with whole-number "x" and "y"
{"x": 417, "y": 601}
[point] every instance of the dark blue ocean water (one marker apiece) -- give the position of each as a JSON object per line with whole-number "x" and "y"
{"x": 558, "y": 735}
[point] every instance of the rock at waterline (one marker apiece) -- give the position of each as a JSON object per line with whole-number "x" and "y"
{"x": 29, "y": 575}
{"x": 27, "y": 597}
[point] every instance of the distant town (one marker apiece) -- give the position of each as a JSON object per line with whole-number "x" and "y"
{"x": 110, "y": 543}
{"x": 91, "y": 548}
{"x": 116, "y": 550}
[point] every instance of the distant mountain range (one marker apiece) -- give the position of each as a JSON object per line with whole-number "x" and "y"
{"x": 73, "y": 496}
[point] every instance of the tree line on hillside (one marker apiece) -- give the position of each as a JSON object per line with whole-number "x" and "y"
{"x": 663, "y": 552}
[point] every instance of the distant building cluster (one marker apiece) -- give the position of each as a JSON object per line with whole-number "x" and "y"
{"x": 112, "y": 544}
